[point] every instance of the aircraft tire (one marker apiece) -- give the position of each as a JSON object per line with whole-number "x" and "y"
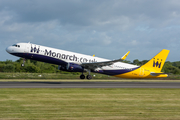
{"x": 82, "y": 76}
{"x": 89, "y": 77}
{"x": 22, "y": 65}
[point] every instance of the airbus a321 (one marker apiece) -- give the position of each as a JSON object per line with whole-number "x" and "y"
{"x": 75, "y": 62}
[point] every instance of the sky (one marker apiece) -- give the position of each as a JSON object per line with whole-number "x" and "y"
{"x": 106, "y": 28}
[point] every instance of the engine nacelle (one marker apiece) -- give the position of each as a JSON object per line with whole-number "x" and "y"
{"x": 71, "y": 67}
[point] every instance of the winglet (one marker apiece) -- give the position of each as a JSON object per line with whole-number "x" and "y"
{"x": 124, "y": 57}
{"x": 93, "y": 55}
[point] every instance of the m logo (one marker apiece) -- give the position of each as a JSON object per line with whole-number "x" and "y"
{"x": 35, "y": 50}
{"x": 157, "y": 63}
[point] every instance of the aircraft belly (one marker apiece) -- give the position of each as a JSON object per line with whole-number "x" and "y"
{"x": 115, "y": 72}
{"x": 41, "y": 58}
{"x": 139, "y": 73}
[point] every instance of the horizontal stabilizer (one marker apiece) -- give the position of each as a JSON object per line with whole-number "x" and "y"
{"x": 156, "y": 74}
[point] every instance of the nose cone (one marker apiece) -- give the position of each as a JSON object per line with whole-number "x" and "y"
{"x": 8, "y": 49}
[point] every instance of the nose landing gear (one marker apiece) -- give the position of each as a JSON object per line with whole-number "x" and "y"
{"x": 22, "y": 65}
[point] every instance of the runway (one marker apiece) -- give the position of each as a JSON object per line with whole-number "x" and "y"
{"x": 89, "y": 84}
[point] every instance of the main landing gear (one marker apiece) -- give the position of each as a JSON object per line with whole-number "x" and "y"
{"x": 82, "y": 76}
{"x": 87, "y": 77}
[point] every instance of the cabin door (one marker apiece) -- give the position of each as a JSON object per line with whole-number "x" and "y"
{"x": 141, "y": 72}
{"x": 26, "y": 49}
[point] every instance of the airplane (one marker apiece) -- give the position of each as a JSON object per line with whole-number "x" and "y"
{"x": 76, "y": 62}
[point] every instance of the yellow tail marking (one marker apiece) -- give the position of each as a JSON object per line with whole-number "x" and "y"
{"x": 154, "y": 65}
{"x": 157, "y": 62}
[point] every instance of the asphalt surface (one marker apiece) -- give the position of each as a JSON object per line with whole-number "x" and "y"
{"x": 89, "y": 84}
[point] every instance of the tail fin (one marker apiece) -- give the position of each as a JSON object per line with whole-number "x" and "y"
{"x": 157, "y": 62}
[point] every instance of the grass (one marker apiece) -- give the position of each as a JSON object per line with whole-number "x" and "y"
{"x": 91, "y": 104}
{"x": 50, "y": 76}
{"x": 67, "y": 76}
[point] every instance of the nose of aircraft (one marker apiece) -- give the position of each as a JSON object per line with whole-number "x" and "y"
{"x": 8, "y": 49}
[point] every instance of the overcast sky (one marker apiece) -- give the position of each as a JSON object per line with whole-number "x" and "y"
{"x": 106, "y": 28}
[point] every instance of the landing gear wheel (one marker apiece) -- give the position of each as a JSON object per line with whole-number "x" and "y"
{"x": 82, "y": 76}
{"x": 89, "y": 77}
{"x": 22, "y": 65}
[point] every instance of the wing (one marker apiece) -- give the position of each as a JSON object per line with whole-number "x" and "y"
{"x": 101, "y": 64}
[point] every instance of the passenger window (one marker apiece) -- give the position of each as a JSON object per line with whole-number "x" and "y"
{"x": 18, "y": 45}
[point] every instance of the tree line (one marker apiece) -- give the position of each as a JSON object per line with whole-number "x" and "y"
{"x": 32, "y": 66}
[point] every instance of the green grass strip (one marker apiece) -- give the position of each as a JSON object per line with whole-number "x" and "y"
{"x": 90, "y": 104}
{"x": 67, "y": 76}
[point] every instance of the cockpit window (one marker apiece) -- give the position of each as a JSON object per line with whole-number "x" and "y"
{"x": 16, "y": 45}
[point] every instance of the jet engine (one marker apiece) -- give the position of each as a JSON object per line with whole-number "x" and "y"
{"x": 71, "y": 67}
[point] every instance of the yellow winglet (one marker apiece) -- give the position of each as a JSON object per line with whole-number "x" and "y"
{"x": 124, "y": 57}
{"x": 93, "y": 55}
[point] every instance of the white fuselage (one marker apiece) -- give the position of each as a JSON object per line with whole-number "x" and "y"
{"x": 25, "y": 49}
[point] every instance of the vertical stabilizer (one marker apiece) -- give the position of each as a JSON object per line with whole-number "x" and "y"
{"x": 157, "y": 62}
